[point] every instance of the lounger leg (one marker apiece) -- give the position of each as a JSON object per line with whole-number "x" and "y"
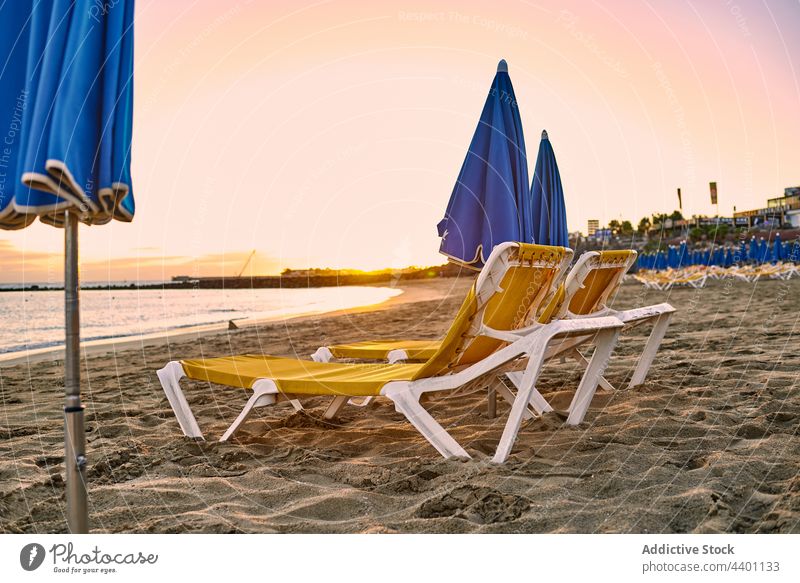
{"x": 408, "y": 404}
{"x": 323, "y": 354}
{"x": 170, "y": 377}
{"x": 397, "y": 355}
{"x": 650, "y": 349}
{"x": 491, "y": 410}
{"x": 520, "y": 406}
{"x": 363, "y": 402}
{"x": 576, "y": 354}
{"x": 606, "y": 340}
{"x": 335, "y": 406}
{"x": 537, "y": 401}
{"x": 506, "y": 393}
{"x": 259, "y": 399}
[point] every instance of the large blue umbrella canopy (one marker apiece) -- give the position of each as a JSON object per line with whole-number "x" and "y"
{"x": 490, "y": 203}
{"x": 66, "y": 104}
{"x": 549, "y": 209}
{"x": 66, "y": 111}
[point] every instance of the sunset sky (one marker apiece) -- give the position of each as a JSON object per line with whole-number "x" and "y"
{"x": 331, "y": 133}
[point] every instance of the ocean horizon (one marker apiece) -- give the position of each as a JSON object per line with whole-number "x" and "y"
{"x": 34, "y": 320}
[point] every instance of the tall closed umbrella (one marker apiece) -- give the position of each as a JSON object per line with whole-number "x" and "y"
{"x": 490, "y": 203}
{"x": 549, "y": 209}
{"x": 66, "y": 103}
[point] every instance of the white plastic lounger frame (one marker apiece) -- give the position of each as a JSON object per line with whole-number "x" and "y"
{"x": 659, "y": 315}
{"x": 529, "y": 343}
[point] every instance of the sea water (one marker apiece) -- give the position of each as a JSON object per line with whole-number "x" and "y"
{"x": 35, "y": 319}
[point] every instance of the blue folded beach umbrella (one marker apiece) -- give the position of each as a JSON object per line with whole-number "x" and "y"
{"x": 742, "y": 252}
{"x": 719, "y": 257}
{"x": 729, "y": 258}
{"x": 684, "y": 257}
{"x": 66, "y": 109}
{"x": 752, "y": 254}
{"x": 777, "y": 249}
{"x": 791, "y": 251}
{"x": 490, "y": 203}
{"x": 672, "y": 257}
{"x": 661, "y": 261}
{"x": 763, "y": 250}
{"x": 549, "y": 209}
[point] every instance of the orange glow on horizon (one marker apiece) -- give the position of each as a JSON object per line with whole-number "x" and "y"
{"x": 329, "y": 134}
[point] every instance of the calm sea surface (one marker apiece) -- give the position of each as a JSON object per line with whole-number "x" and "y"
{"x": 30, "y": 320}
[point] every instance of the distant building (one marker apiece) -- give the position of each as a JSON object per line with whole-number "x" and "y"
{"x": 779, "y": 210}
{"x": 592, "y": 227}
{"x": 602, "y": 235}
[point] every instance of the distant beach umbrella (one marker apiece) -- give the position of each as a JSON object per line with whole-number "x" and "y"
{"x": 722, "y": 257}
{"x": 683, "y": 255}
{"x": 778, "y": 253}
{"x": 661, "y": 261}
{"x": 66, "y": 105}
{"x": 490, "y": 203}
{"x": 763, "y": 251}
{"x": 547, "y": 194}
{"x": 729, "y": 258}
{"x": 673, "y": 259}
{"x": 754, "y": 249}
{"x": 743, "y": 256}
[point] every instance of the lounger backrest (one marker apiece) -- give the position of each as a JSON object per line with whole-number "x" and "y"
{"x": 593, "y": 280}
{"x": 507, "y": 295}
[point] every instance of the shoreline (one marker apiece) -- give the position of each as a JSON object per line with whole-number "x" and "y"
{"x": 410, "y": 292}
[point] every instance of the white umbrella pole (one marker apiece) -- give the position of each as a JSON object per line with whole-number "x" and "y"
{"x": 74, "y": 434}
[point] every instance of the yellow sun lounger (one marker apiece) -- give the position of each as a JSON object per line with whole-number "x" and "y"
{"x": 487, "y": 334}
{"x": 589, "y": 286}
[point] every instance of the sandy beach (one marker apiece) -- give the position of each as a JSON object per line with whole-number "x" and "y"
{"x": 708, "y": 444}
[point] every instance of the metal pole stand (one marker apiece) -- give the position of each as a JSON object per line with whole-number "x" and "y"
{"x": 74, "y": 433}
